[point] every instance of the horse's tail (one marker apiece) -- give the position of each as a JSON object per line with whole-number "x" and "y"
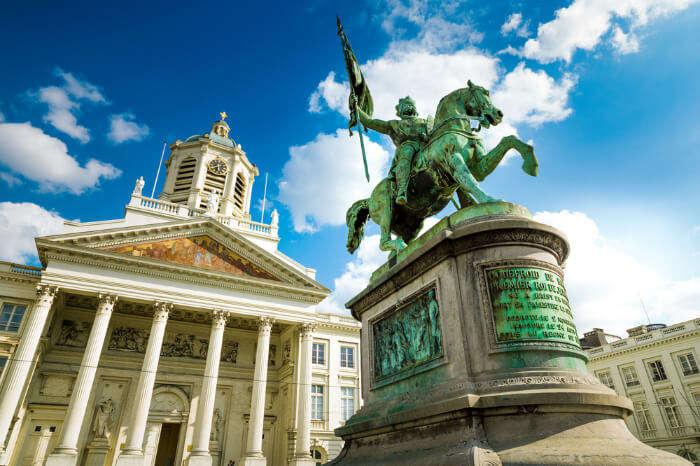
{"x": 356, "y": 218}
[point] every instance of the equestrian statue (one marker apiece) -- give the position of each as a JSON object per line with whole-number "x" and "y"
{"x": 434, "y": 158}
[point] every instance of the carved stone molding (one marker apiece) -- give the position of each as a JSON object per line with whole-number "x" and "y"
{"x": 449, "y": 248}
{"x": 161, "y": 310}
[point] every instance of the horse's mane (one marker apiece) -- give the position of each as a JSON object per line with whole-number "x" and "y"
{"x": 449, "y": 98}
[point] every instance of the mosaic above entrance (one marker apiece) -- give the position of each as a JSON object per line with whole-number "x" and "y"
{"x": 198, "y": 251}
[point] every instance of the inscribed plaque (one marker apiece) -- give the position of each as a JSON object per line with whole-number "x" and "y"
{"x": 408, "y": 338}
{"x": 530, "y": 303}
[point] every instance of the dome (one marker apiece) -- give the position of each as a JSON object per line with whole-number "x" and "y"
{"x": 194, "y": 138}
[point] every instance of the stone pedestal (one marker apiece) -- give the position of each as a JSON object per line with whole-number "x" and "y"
{"x": 97, "y": 452}
{"x": 470, "y": 355}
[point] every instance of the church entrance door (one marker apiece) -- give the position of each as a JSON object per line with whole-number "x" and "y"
{"x": 167, "y": 445}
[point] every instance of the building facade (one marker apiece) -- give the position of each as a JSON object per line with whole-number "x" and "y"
{"x": 657, "y": 368}
{"x": 178, "y": 334}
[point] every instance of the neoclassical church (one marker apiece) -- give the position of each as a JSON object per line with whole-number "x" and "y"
{"x": 176, "y": 335}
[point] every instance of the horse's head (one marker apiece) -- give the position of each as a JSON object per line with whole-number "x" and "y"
{"x": 478, "y": 104}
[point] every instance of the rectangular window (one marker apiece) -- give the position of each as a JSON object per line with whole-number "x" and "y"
{"x": 11, "y": 317}
{"x": 3, "y": 361}
{"x": 657, "y": 371}
{"x": 347, "y": 357}
{"x": 630, "y": 376}
{"x": 688, "y": 364}
{"x": 318, "y": 354}
{"x": 347, "y": 402}
{"x": 641, "y": 411}
{"x": 605, "y": 379}
{"x": 317, "y": 402}
{"x": 668, "y": 403}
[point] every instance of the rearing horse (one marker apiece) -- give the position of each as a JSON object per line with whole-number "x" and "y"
{"x": 453, "y": 159}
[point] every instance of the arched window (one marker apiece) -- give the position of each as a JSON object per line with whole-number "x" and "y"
{"x": 183, "y": 180}
{"x": 239, "y": 192}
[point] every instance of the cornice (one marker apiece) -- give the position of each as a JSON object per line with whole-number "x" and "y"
{"x": 643, "y": 346}
{"x": 14, "y": 277}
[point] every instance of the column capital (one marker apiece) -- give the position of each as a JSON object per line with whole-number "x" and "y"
{"x": 265, "y": 324}
{"x": 307, "y": 329}
{"x": 106, "y": 300}
{"x": 46, "y": 291}
{"x": 219, "y": 318}
{"x": 161, "y": 310}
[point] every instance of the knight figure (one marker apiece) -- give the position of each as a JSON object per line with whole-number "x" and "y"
{"x": 408, "y": 134}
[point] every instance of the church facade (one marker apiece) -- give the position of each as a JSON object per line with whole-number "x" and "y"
{"x": 176, "y": 335}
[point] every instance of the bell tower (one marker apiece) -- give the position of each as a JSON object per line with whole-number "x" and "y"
{"x": 208, "y": 167}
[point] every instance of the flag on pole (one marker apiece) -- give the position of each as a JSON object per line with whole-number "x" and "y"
{"x": 358, "y": 86}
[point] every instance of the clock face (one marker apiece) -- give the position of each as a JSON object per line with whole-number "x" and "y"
{"x": 218, "y": 167}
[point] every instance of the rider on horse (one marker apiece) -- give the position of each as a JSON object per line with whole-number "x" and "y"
{"x": 408, "y": 134}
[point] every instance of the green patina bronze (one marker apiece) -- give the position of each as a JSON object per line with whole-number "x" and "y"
{"x": 408, "y": 340}
{"x": 530, "y": 303}
{"x": 432, "y": 162}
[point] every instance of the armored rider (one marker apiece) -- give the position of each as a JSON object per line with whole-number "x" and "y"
{"x": 408, "y": 135}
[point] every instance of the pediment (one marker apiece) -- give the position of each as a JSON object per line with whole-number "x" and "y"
{"x": 192, "y": 249}
{"x": 197, "y": 251}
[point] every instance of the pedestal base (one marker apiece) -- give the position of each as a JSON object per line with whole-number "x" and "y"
{"x": 97, "y": 452}
{"x": 62, "y": 459}
{"x": 253, "y": 461}
{"x": 200, "y": 460}
{"x": 470, "y": 356}
{"x": 306, "y": 461}
{"x": 131, "y": 460}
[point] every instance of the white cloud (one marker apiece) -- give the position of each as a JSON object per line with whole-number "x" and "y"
{"x": 333, "y": 93}
{"x": 624, "y": 43}
{"x": 514, "y": 23}
{"x": 11, "y": 180}
{"x": 20, "y": 223}
{"x": 322, "y": 178}
{"x": 122, "y": 128}
{"x": 63, "y": 103}
{"x": 81, "y": 90}
{"x": 605, "y": 283}
{"x": 584, "y": 23}
{"x": 355, "y": 277}
{"x": 441, "y": 25}
{"x": 30, "y": 152}
{"x": 533, "y": 97}
{"x": 426, "y": 76}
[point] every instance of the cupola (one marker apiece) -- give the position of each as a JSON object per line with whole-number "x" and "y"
{"x": 210, "y": 169}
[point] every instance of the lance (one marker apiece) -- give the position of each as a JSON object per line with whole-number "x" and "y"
{"x": 356, "y": 116}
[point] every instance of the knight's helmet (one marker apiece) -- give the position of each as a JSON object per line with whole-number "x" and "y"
{"x": 406, "y": 107}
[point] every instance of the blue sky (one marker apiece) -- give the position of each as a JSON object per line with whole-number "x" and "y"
{"x": 607, "y": 94}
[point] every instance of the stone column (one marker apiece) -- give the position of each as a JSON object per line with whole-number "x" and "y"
{"x": 205, "y": 408}
{"x": 302, "y": 455}
{"x": 66, "y": 453}
{"x": 132, "y": 454}
{"x": 21, "y": 360}
{"x": 254, "y": 454}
